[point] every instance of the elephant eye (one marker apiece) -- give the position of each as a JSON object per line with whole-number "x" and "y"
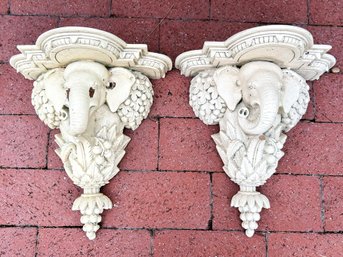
{"x": 91, "y": 92}
{"x": 68, "y": 91}
{"x": 111, "y": 85}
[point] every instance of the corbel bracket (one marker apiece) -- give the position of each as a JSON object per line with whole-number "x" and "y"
{"x": 254, "y": 86}
{"x": 91, "y": 85}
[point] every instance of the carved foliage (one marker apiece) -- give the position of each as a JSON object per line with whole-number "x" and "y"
{"x": 250, "y": 158}
{"x": 90, "y": 84}
{"x": 113, "y": 99}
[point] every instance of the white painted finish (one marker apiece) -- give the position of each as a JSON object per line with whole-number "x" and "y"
{"x": 90, "y": 84}
{"x": 254, "y": 86}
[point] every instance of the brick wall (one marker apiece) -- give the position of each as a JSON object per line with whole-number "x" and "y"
{"x": 172, "y": 195}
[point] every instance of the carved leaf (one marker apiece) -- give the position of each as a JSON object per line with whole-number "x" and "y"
{"x": 246, "y": 167}
{"x": 234, "y": 147}
{"x": 261, "y": 168}
{"x": 77, "y": 169}
{"x": 83, "y": 204}
{"x": 102, "y": 133}
{"x": 240, "y": 177}
{"x": 229, "y": 125}
{"x": 222, "y": 154}
{"x": 109, "y": 172}
{"x": 112, "y": 135}
{"x": 99, "y": 203}
{"x": 231, "y": 169}
{"x": 255, "y": 150}
{"x": 119, "y": 157}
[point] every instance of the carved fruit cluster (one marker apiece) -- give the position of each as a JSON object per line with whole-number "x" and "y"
{"x": 102, "y": 151}
{"x": 43, "y": 106}
{"x": 205, "y": 100}
{"x": 250, "y": 205}
{"x": 91, "y": 206}
{"x": 136, "y": 108}
{"x": 298, "y": 109}
{"x": 272, "y": 150}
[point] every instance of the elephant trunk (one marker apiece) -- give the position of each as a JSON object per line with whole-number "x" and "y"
{"x": 262, "y": 119}
{"x": 78, "y": 108}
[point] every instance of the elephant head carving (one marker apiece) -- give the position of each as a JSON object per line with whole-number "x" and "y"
{"x": 258, "y": 85}
{"x": 85, "y": 83}
{"x": 253, "y": 85}
{"x": 73, "y": 94}
{"x": 90, "y": 84}
{"x": 254, "y": 105}
{"x": 259, "y": 91}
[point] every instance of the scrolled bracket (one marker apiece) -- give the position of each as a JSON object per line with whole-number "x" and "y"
{"x": 254, "y": 86}
{"x": 91, "y": 85}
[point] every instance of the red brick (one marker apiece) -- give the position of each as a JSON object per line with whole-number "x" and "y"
{"x": 186, "y": 144}
{"x": 313, "y": 148}
{"x": 180, "y": 36}
{"x": 330, "y": 36}
{"x": 72, "y": 242}
{"x": 159, "y": 200}
{"x": 61, "y": 7}
{"x": 223, "y": 190}
{"x": 326, "y": 12}
{"x": 171, "y": 97}
{"x": 141, "y": 152}
{"x": 37, "y": 197}
{"x": 309, "y": 245}
{"x": 333, "y": 203}
{"x": 15, "y": 92}
{"x": 207, "y": 243}
{"x": 17, "y": 242}
{"x": 293, "y": 206}
{"x": 186, "y": 9}
{"x": 328, "y": 96}
{"x": 21, "y": 30}
{"x": 288, "y": 11}
{"x": 133, "y": 31}
{"x": 23, "y": 141}
{"x": 4, "y": 6}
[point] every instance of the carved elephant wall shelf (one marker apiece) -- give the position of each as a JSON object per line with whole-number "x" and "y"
{"x": 254, "y": 86}
{"x": 91, "y": 85}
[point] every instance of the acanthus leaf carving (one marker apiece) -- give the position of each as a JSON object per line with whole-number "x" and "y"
{"x": 256, "y": 92}
{"x": 91, "y": 85}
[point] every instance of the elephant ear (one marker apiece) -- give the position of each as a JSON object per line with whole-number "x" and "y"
{"x": 290, "y": 90}
{"x": 54, "y": 88}
{"x": 119, "y": 87}
{"x": 226, "y": 81}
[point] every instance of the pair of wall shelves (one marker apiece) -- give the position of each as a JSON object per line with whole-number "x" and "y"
{"x": 91, "y": 85}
